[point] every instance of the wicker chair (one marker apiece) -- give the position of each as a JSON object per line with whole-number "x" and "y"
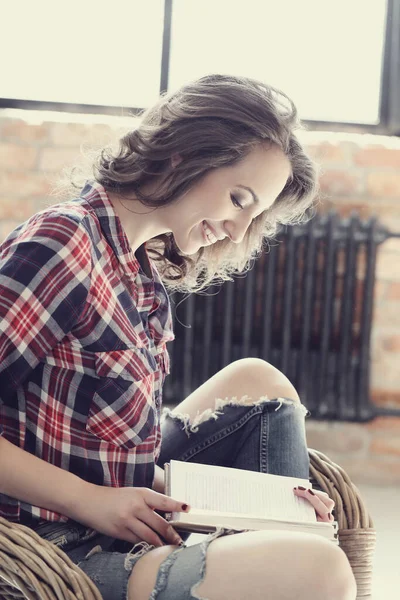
{"x": 33, "y": 568}
{"x": 357, "y": 536}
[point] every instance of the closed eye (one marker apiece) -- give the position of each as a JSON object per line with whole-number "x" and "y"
{"x": 236, "y": 202}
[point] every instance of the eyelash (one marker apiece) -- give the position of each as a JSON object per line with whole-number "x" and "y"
{"x": 235, "y": 201}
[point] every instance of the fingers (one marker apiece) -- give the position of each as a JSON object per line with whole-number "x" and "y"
{"x": 154, "y": 527}
{"x": 329, "y": 503}
{"x": 142, "y": 532}
{"x": 164, "y": 503}
{"x": 320, "y": 501}
{"x": 162, "y": 527}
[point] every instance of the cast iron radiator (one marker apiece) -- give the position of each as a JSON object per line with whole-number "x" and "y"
{"x": 305, "y": 307}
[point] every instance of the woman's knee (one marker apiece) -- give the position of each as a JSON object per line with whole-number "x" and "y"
{"x": 335, "y": 578}
{"x": 260, "y": 378}
{"x": 285, "y": 564}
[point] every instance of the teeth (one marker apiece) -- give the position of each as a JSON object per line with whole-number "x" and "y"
{"x": 210, "y": 236}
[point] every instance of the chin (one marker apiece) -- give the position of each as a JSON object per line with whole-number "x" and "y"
{"x": 189, "y": 248}
{"x": 190, "y": 252}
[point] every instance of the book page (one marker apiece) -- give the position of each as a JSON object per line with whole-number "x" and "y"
{"x": 235, "y": 491}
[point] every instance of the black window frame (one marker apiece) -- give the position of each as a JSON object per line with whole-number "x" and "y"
{"x": 389, "y": 106}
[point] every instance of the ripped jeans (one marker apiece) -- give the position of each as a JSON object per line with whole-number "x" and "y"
{"x": 263, "y": 435}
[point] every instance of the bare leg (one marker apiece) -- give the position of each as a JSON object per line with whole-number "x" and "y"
{"x": 260, "y": 565}
{"x": 248, "y": 377}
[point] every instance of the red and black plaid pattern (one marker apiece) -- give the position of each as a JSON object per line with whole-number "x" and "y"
{"x": 83, "y": 357}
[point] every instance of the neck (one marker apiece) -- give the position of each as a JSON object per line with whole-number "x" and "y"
{"x": 140, "y": 223}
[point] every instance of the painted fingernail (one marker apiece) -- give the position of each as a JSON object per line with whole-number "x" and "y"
{"x": 184, "y": 506}
{"x": 178, "y": 541}
{"x": 311, "y": 492}
{"x": 302, "y": 488}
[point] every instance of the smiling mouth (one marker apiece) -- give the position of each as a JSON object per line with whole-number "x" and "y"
{"x": 208, "y": 234}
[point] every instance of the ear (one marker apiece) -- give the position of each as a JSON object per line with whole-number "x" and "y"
{"x": 175, "y": 160}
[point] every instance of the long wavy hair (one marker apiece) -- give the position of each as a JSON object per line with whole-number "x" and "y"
{"x": 212, "y": 122}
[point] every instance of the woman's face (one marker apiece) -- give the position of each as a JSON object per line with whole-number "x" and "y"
{"x": 224, "y": 203}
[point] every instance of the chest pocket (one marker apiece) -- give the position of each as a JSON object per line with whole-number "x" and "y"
{"x": 122, "y": 411}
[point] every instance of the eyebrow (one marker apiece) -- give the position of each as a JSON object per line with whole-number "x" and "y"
{"x": 256, "y": 199}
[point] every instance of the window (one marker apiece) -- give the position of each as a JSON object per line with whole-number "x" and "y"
{"x": 325, "y": 55}
{"x": 84, "y": 52}
{"x": 337, "y": 60}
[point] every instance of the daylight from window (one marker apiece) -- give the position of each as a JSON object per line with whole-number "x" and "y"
{"x": 326, "y": 55}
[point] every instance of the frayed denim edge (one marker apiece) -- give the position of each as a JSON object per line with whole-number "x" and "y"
{"x": 138, "y": 550}
{"x": 163, "y": 572}
{"x": 221, "y": 531}
{"x": 193, "y": 426}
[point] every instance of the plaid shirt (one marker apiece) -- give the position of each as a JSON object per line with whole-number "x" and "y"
{"x": 83, "y": 354}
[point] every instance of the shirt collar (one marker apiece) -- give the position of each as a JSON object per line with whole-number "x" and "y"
{"x": 95, "y": 194}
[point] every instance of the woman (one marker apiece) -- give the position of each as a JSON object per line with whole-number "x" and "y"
{"x": 186, "y": 199}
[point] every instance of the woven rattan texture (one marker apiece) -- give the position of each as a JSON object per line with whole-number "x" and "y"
{"x": 357, "y": 536}
{"x": 31, "y": 567}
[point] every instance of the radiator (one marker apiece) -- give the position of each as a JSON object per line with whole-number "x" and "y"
{"x": 305, "y": 306}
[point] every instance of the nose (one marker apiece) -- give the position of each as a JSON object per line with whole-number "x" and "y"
{"x": 236, "y": 229}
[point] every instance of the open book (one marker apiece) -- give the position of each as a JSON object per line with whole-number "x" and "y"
{"x": 240, "y": 500}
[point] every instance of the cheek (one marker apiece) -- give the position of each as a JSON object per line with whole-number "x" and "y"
{"x": 217, "y": 207}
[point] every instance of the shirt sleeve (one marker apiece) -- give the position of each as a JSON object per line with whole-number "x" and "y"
{"x": 45, "y": 268}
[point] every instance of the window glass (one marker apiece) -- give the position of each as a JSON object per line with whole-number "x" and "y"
{"x": 326, "y": 55}
{"x": 82, "y": 51}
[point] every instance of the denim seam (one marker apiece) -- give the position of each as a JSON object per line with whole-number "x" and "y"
{"x": 264, "y": 439}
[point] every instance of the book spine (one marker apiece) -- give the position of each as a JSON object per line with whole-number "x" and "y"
{"x": 167, "y": 487}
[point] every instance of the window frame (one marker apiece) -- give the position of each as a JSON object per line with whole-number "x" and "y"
{"x": 389, "y": 105}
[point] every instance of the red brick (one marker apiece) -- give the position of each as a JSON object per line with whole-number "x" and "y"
{"x": 392, "y": 344}
{"x": 16, "y": 156}
{"x": 55, "y": 159}
{"x": 19, "y": 184}
{"x": 327, "y": 152}
{"x": 341, "y": 183}
{"x": 21, "y": 131}
{"x": 384, "y": 209}
{"x": 385, "y": 373}
{"x": 386, "y": 445}
{"x": 393, "y": 292}
{"x": 383, "y": 184}
{"x": 337, "y": 437}
{"x": 387, "y": 265}
{"x": 381, "y": 291}
{"x": 385, "y": 397}
{"x": 345, "y": 209}
{"x": 377, "y": 470}
{"x": 377, "y": 156}
{"x": 75, "y": 134}
{"x": 384, "y": 424}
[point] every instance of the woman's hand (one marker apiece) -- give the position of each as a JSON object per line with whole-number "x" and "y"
{"x": 128, "y": 513}
{"x": 322, "y": 503}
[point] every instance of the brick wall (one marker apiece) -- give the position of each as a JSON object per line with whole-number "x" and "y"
{"x": 358, "y": 172}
